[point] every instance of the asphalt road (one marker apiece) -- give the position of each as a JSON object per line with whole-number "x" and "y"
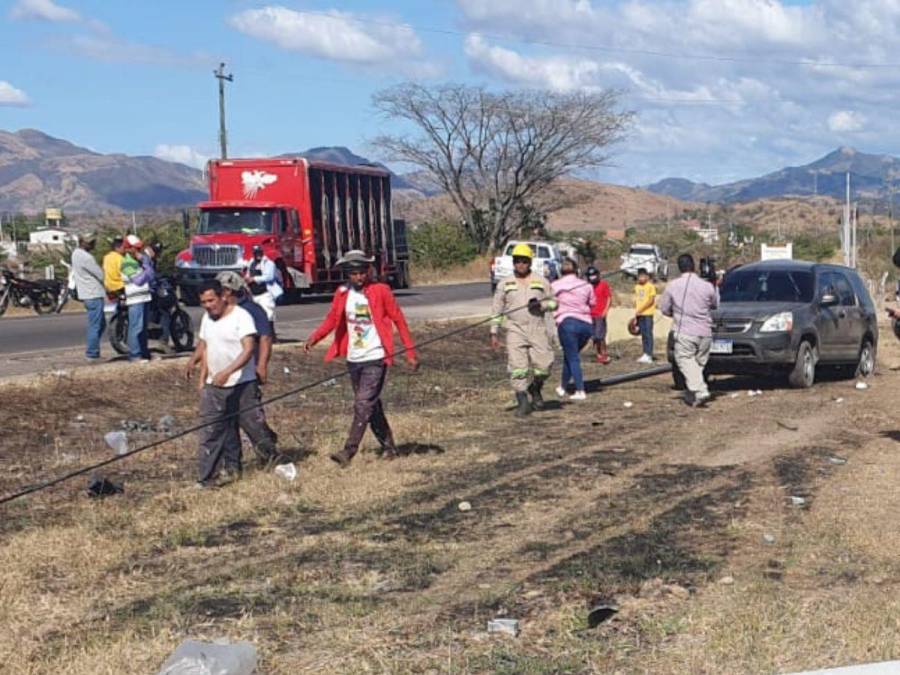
{"x": 24, "y": 335}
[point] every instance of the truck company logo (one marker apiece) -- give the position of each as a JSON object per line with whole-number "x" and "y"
{"x": 254, "y": 181}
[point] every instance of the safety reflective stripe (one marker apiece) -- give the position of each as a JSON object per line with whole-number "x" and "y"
{"x": 551, "y": 304}
{"x": 540, "y": 372}
{"x": 510, "y": 286}
{"x": 536, "y": 285}
{"x": 497, "y": 320}
{"x": 519, "y": 373}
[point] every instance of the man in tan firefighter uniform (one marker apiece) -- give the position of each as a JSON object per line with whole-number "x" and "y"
{"x": 522, "y": 302}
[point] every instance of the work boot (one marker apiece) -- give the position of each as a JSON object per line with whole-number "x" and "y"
{"x": 523, "y": 407}
{"x": 389, "y": 453}
{"x": 537, "y": 401}
{"x": 343, "y": 458}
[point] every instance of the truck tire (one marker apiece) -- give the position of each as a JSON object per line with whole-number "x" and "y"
{"x": 803, "y": 374}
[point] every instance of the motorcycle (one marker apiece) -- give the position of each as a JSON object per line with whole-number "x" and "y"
{"x": 165, "y": 301}
{"x": 43, "y": 296}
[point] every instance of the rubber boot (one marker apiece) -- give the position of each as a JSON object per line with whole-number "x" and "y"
{"x": 523, "y": 407}
{"x": 537, "y": 400}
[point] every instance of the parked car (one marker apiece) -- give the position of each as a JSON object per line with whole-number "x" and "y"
{"x": 547, "y": 261}
{"x": 648, "y": 257}
{"x": 791, "y": 318}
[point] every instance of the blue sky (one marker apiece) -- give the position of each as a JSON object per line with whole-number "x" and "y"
{"x": 723, "y": 89}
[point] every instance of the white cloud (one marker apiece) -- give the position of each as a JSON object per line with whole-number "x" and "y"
{"x": 721, "y": 87}
{"x": 334, "y": 35}
{"x": 11, "y": 96}
{"x": 842, "y": 121}
{"x": 108, "y": 48}
{"x": 183, "y": 154}
{"x": 43, "y": 10}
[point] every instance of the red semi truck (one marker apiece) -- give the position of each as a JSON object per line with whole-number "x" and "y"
{"x": 305, "y": 214}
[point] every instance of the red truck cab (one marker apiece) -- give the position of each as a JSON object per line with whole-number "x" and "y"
{"x": 305, "y": 214}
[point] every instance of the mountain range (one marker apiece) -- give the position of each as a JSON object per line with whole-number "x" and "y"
{"x": 38, "y": 171}
{"x": 871, "y": 176}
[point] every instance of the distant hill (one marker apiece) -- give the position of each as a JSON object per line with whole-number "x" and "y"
{"x": 578, "y": 205}
{"x": 39, "y": 171}
{"x": 870, "y": 176}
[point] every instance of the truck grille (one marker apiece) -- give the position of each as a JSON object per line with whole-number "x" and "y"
{"x": 732, "y": 326}
{"x": 216, "y": 255}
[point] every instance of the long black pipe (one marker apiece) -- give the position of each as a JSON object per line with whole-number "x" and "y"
{"x": 636, "y": 375}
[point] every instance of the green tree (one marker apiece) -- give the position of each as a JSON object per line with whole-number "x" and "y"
{"x": 441, "y": 245}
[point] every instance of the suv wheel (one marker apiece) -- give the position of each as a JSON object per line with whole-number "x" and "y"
{"x": 866, "y": 364}
{"x": 803, "y": 374}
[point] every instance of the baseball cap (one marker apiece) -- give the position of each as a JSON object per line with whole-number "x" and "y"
{"x": 231, "y": 280}
{"x": 133, "y": 241}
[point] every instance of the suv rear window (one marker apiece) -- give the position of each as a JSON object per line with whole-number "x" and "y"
{"x": 641, "y": 250}
{"x": 767, "y": 286}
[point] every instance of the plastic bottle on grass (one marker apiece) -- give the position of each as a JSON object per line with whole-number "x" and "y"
{"x": 193, "y": 657}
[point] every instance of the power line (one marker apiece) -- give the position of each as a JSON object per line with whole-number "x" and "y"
{"x": 604, "y": 48}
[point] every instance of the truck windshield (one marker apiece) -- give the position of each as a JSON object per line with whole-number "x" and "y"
{"x": 641, "y": 250}
{"x": 248, "y": 221}
{"x": 767, "y": 286}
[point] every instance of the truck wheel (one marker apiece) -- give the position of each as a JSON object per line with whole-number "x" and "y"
{"x": 866, "y": 364}
{"x": 803, "y": 374}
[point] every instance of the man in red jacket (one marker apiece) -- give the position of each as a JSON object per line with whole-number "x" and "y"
{"x": 362, "y": 315}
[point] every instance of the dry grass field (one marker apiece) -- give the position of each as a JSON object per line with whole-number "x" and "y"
{"x": 681, "y": 518}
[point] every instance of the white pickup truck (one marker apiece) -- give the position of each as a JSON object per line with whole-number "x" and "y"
{"x": 547, "y": 261}
{"x": 648, "y": 257}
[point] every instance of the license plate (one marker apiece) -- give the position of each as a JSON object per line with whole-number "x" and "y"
{"x": 722, "y": 347}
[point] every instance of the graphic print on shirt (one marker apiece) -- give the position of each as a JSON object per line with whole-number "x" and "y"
{"x": 364, "y": 341}
{"x": 361, "y": 322}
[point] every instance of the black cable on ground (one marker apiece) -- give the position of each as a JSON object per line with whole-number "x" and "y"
{"x": 44, "y": 485}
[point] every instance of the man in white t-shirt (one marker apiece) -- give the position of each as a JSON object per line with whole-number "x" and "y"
{"x": 227, "y": 340}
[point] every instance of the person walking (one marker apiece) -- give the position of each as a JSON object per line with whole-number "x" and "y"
{"x": 644, "y": 309}
{"x": 137, "y": 272}
{"x": 262, "y": 278}
{"x": 576, "y": 302}
{"x": 603, "y": 301}
{"x": 689, "y": 300}
{"x": 252, "y": 420}
{"x": 226, "y": 341}
{"x": 88, "y": 277}
{"x": 362, "y": 316}
{"x": 524, "y": 300}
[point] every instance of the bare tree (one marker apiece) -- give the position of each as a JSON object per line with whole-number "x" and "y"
{"x": 496, "y": 154}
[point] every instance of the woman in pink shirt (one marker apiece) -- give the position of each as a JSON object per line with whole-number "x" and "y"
{"x": 575, "y": 299}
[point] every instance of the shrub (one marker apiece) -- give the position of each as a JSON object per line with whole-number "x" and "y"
{"x": 441, "y": 245}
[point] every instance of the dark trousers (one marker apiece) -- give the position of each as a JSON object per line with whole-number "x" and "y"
{"x": 573, "y": 336}
{"x": 253, "y": 422}
{"x": 220, "y": 442}
{"x": 368, "y": 380}
{"x": 645, "y": 323}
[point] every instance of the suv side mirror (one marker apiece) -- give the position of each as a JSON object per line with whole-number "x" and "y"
{"x": 828, "y": 300}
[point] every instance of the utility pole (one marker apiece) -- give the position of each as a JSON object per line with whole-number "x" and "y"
{"x": 221, "y": 77}
{"x": 845, "y": 230}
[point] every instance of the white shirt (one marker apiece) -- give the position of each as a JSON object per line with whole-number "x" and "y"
{"x": 364, "y": 342}
{"x": 223, "y": 344}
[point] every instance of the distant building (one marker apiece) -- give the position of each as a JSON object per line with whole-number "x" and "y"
{"x": 50, "y": 237}
{"x": 53, "y": 218}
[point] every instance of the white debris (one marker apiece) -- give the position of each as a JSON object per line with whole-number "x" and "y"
{"x": 205, "y": 658}
{"x": 735, "y": 395}
{"x": 286, "y": 471}
{"x": 837, "y": 460}
{"x": 287, "y": 371}
{"x": 628, "y": 404}
{"x": 464, "y": 506}
{"x": 330, "y": 383}
{"x": 726, "y": 581}
{"x": 507, "y": 626}
{"x": 839, "y": 399}
{"x": 768, "y": 538}
{"x": 117, "y": 441}
{"x": 797, "y": 501}
{"x": 862, "y": 385}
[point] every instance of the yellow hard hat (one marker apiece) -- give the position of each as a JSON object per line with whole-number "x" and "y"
{"x": 522, "y": 251}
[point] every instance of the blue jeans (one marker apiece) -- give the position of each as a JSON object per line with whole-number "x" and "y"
{"x": 95, "y": 326}
{"x": 137, "y": 331}
{"x": 645, "y": 323}
{"x": 573, "y": 336}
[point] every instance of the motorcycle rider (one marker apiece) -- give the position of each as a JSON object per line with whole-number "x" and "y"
{"x": 524, "y": 299}
{"x": 137, "y": 271}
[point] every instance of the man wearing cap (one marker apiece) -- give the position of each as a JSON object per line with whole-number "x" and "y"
{"x": 525, "y": 300}
{"x": 253, "y": 420}
{"x": 88, "y": 276}
{"x": 137, "y": 272}
{"x": 363, "y": 315}
{"x": 262, "y": 279}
